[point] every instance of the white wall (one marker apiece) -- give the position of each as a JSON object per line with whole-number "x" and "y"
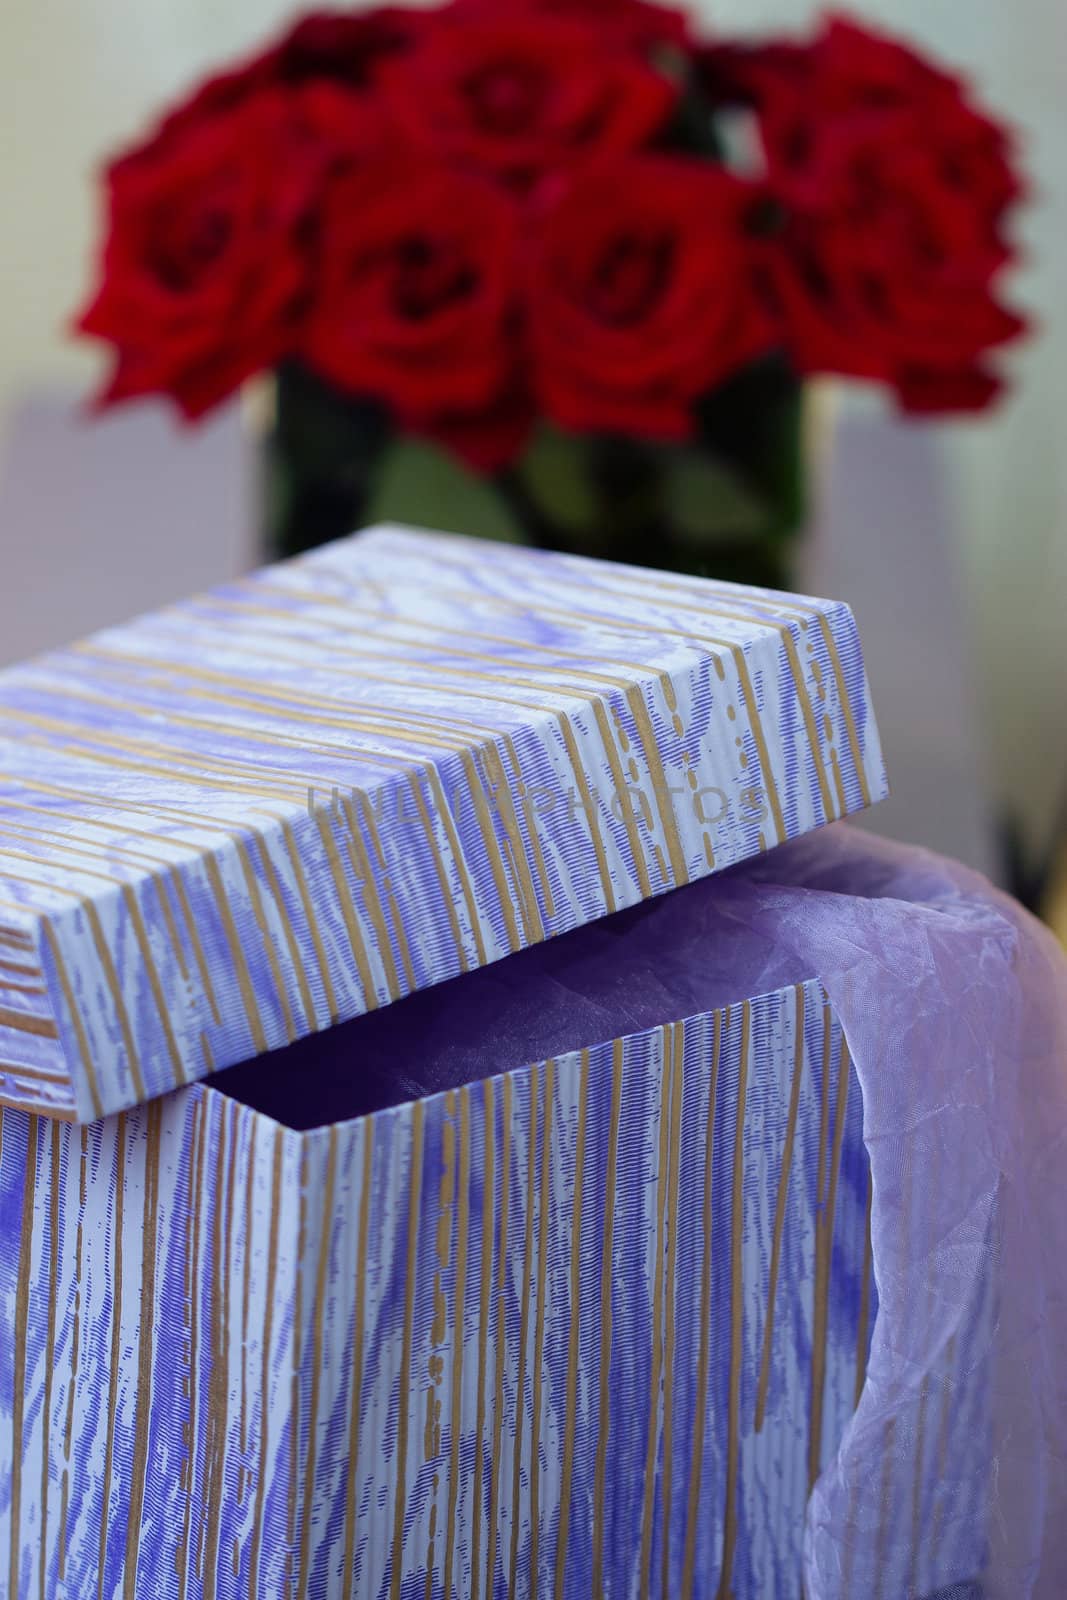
{"x": 77, "y": 77}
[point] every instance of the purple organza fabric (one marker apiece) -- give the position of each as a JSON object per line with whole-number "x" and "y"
{"x": 954, "y": 1005}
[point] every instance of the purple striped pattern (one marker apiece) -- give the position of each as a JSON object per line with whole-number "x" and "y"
{"x": 280, "y": 805}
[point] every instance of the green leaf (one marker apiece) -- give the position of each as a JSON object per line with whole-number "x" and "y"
{"x": 704, "y": 498}
{"x": 555, "y": 472}
{"x": 421, "y": 484}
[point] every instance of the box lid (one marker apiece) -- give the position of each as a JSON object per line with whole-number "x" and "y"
{"x": 299, "y": 797}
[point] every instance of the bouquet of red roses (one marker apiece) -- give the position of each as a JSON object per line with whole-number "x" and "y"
{"x": 565, "y": 241}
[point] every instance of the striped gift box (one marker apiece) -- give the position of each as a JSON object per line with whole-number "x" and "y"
{"x": 402, "y": 1305}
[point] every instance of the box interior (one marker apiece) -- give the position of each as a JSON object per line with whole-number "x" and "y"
{"x": 668, "y": 958}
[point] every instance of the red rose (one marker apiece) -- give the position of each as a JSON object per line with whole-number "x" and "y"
{"x": 524, "y": 95}
{"x": 640, "y": 296}
{"x": 887, "y": 193}
{"x": 202, "y": 266}
{"x": 644, "y": 25}
{"x": 415, "y": 303}
{"x": 339, "y": 47}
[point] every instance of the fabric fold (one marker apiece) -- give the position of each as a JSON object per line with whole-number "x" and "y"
{"x": 954, "y": 1005}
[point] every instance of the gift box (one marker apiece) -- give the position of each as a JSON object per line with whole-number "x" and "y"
{"x": 403, "y": 1192}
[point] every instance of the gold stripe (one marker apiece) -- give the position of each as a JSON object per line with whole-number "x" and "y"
{"x": 780, "y": 1204}
{"x": 439, "y": 1326}
{"x": 607, "y": 1263}
{"x": 165, "y": 668}
{"x": 402, "y": 654}
{"x": 846, "y": 707}
{"x": 33, "y": 1074}
{"x": 321, "y": 958}
{"x": 22, "y": 1317}
{"x": 358, "y": 1331}
{"x": 363, "y": 873}
{"x": 654, "y": 761}
{"x": 400, "y": 1466}
{"x": 75, "y": 1015}
{"x": 574, "y": 1337}
{"x": 729, "y": 1533}
{"x": 482, "y": 694}
{"x": 742, "y": 669}
{"x": 246, "y": 1290}
{"x": 459, "y": 1322}
{"x": 438, "y": 629}
{"x": 103, "y": 951}
{"x": 527, "y": 1269}
{"x": 198, "y": 948}
{"x": 75, "y": 1341}
{"x": 492, "y": 850}
{"x": 738, "y": 657}
{"x": 318, "y": 1336}
{"x": 652, "y": 1450}
{"x": 637, "y": 852}
{"x": 102, "y": 752}
{"x": 296, "y": 958}
{"x": 26, "y": 1022}
{"x": 485, "y": 1290}
{"x": 297, "y": 708}
{"x": 107, "y": 962}
{"x": 59, "y": 1113}
{"x": 539, "y": 1326}
{"x": 219, "y": 1385}
{"x": 366, "y": 812}
{"x": 240, "y": 965}
{"x": 447, "y": 897}
{"x": 119, "y": 1191}
{"x": 160, "y": 881}
{"x": 674, "y": 1227}
{"x": 49, "y": 1351}
{"x": 531, "y": 912}
{"x": 36, "y": 990}
{"x": 501, "y": 1334}
{"x": 294, "y": 1376}
{"x": 22, "y": 972}
{"x": 260, "y": 916}
{"x": 589, "y": 807}
{"x": 348, "y": 912}
{"x": 68, "y": 1432}
{"x": 761, "y": 743}
{"x": 254, "y": 1592}
{"x": 530, "y": 813}
{"x": 200, "y": 822}
{"x": 97, "y": 850}
{"x": 145, "y": 1337}
{"x": 198, "y": 1139}
{"x": 445, "y": 815}
{"x": 700, "y": 1413}
{"x": 789, "y": 610}
{"x": 241, "y": 730}
{"x": 141, "y": 934}
{"x": 811, "y": 728}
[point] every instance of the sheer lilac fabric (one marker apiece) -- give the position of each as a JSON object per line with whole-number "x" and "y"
{"x": 954, "y": 1006}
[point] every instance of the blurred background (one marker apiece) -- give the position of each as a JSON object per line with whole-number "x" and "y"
{"x": 969, "y": 665}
